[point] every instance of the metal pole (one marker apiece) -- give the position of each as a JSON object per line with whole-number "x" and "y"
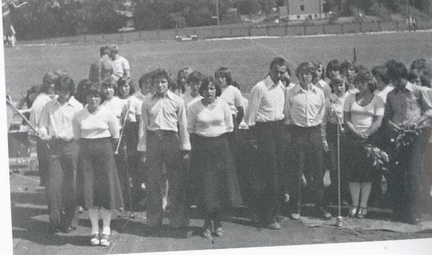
{"x": 217, "y": 12}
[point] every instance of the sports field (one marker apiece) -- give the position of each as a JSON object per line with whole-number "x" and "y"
{"x": 248, "y": 58}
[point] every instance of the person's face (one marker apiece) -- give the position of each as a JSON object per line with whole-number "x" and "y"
{"x": 349, "y": 72}
{"x": 416, "y": 81}
{"x": 286, "y": 79}
{"x": 362, "y": 86}
{"x": 108, "y": 91}
{"x": 113, "y": 54}
{"x": 210, "y": 91}
{"x": 339, "y": 89}
{"x": 221, "y": 80}
{"x": 124, "y": 89}
{"x": 161, "y": 85}
{"x": 319, "y": 72}
{"x": 277, "y": 73}
{"x": 50, "y": 89}
{"x": 334, "y": 73}
{"x": 305, "y": 77}
{"x": 93, "y": 101}
{"x": 62, "y": 95}
{"x": 183, "y": 77}
{"x": 195, "y": 86}
{"x": 399, "y": 83}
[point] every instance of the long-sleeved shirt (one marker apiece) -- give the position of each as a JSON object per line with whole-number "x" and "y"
{"x": 408, "y": 105}
{"x": 304, "y": 108}
{"x": 100, "y": 124}
{"x": 163, "y": 113}
{"x": 37, "y": 108}
{"x": 266, "y": 102}
{"x": 56, "y": 119}
{"x": 210, "y": 121}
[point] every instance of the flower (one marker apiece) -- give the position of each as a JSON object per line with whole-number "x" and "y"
{"x": 378, "y": 157}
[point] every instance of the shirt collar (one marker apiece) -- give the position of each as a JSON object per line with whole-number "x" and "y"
{"x": 299, "y": 88}
{"x": 269, "y": 83}
{"x": 169, "y": 95}
{"x": 408, "y": 86}
{"x": 69, "y": 102}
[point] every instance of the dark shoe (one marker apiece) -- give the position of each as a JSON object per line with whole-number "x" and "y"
{"x": 274, "y": 226}
{"x": 105, "y": 240}
{"x": 68, "y": 229}
{"x": 362, "y": 212}
{"x": 206, "y": 233}
{"x": 323, "y": 213}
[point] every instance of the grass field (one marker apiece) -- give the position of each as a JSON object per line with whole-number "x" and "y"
{"x": 247, "y": 58}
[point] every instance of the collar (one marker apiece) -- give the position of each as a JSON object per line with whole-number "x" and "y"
{"x": 298, "y": 88}
{"x": 269, "y": 83}
{"x": 169, "y": 95}
{"x": 69, "y": 102}
{"x": 408, "y": 86}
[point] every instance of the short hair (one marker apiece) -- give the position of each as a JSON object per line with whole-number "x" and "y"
{"x": 195, "y": 77}
{"x": 413, "y": 74}
{"x": 65, "y": 83}
{"x": 205, "y": 83}
{"x": 94, "y": 89}
{"x": 81, "y": 90}
{"x": 110, "y": 82}
{"x": 336, "y": 81}
{"x": 126, "y": 80}
{"x": 332, "y": 65}
{"x": 422, "y": 65}
{"x": 48, "y": 79}
{"x": 163, "y": 73}
{"x": 318, "y": 65}
{"x": 365, "y": 76}
{"x": 114, "y": 48}
{"x": 224, "y": 73}
{"x": 279, "y": 61}
{"x": 104, "y": 50}
{"x": 306, "y": 67}
{"x": 145, "y": 79}
{"x": 187, "y": 70}
{"x": 397, "y": 70}
{"x": 381, "y": 72}
{"x": 347, "y": 64}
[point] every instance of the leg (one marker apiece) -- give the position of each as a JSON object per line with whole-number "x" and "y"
{"x": 154, "y": 196}
{"x": 355, "y": 193}
{"x": 69, "y": 165}
{"x": 54, "y": 190}
{"x": 365, "y": 189}
{"x": 94, "y": 220}
{"x": 42, "y": 156}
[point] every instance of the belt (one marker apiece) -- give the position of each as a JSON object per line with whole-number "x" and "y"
{"x": 161, "y": 133}
{"x": 269, "y": 123}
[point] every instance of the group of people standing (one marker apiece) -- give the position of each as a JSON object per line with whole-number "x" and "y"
{"x": 102, "y": 142}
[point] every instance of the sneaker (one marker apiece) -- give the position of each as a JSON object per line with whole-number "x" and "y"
{"x": 274, "y": 226}
{"x": 105, "y": 240}
{"x": 95, "y": 239}
{"x": 295, "y": 216}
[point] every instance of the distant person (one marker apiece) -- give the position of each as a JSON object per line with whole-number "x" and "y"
{"x": 333, "y": 69}
{"x": 348, "y": 70}
{"x": 81, "y": 90}
{"x": 96, "y": 129}
{"x": 8, "y": 9}
{"x": 55, "y": 128}
{"x": 194, "y": 82}
{"x": 182, "y": 75}
{"x": 102, "y": 68}
{"x": 319, "y": 79}
{"x": 164, "y": 141}
{"x": 383, "y": 82}
{"x": 145, "y": 86}
{"x": 120, "y": 64}
{"x": 209, "y": 122}
{"x": 264, "y": 117}
{"x": 46, "y": 94}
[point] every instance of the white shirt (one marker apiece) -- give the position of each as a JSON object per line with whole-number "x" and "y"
{"x": 37, "y": 107}
{"x": 99, "y": 124}
{"x": 117, "y": 106}
{"x": 211, "y": 120}
{"x": 383, "y": 93}
{"x": 189, "y": 100}
{"x": 266, "y": 102}
{"x": 56, "y": 119}
{"x": 304, "y": 108}
{"x": 134, "y": 108}
{"x": 120, "y": 64}
{"x": 325, "y": 87}
{"x": 362, "y": 116}
{"x": 334, "y": 109}
{"x": 233, "y": 97}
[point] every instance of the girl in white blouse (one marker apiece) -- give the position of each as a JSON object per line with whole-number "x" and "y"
{"x": 209, "y": 122}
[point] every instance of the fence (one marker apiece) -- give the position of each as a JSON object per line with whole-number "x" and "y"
{"x": 240, "y": 31}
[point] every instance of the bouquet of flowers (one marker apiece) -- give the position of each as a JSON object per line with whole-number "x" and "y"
{"x": 379, "y": 158}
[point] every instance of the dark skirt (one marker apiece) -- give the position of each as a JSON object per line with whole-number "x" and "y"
{"x": 354, "y": 161}
{"x": 98, "y": 181}
{"x": 217, "y": 186}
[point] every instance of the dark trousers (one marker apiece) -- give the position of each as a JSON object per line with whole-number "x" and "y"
{"x": 63, "y": 160}
{"x": 42, "y": 157}
{"x": 271, "y": 148}
{"x": 405, "y": 179}
{"x": 163, "y": 148}
{"x": 308, "y": 150}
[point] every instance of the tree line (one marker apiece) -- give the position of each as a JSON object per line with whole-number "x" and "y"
{"x": 55, "y": 18}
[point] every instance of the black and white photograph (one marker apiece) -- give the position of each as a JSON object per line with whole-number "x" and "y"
{"x": 203, "y": 126}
